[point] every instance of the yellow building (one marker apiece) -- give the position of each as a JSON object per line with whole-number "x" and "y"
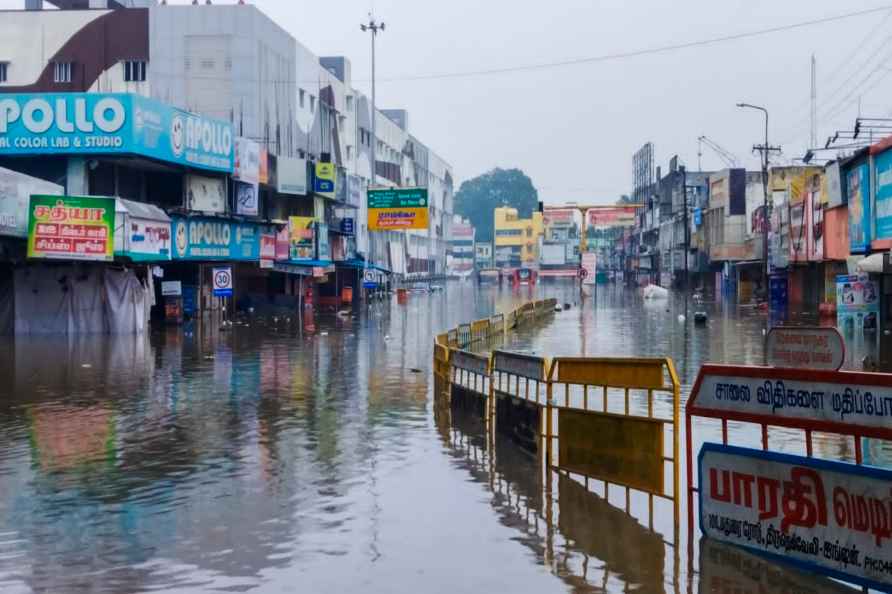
{"x": 516, "y": 240}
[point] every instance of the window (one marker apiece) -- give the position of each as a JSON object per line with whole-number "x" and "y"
{"x": 134, "y": 71}
{"x": 349, "y": 102}
{"x": 207, "y": 64}
{"x": 4, "y": 66}
{"x": 349, "y": 152}
{"x": 62, "y": 72}
{"x": 312, "y": 103}
{"x": 300, "y": 98}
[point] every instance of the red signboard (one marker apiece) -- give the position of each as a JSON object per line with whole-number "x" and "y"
{"x": 611, "y": 216}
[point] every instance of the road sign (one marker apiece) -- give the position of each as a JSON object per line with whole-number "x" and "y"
{"x": 397, "y": 208}
{"x": 223, "y": 281}
{"x": 809, "y": 347}
{"x": 370, "y": 279}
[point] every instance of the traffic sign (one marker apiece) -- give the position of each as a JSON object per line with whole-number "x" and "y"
{"x": 808, "y": 347}
{"x": 223, "y": 282}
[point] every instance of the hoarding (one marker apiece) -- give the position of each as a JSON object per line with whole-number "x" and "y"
{"x": 291, "y": 176}
{"x": 267, "y": 249}
{"x": 562, "y": 217}
{"x": 323, "y": 247}
{"x": 398, "y": 208}
{"x": 857, "y": 304}
{"x": 16, "y": 190}
{"x": 553, "y": 254}
{"x": 589, "y": 265}
{"x": 613, "y": 216}
{"x": 883, "y": 164}
{"x": 858, "y": 192}
{"x": 207, "y": 238}
{"x": 324, "y": 180}
{"x": 835, "y": 196}
{"x": 302, "y": 238}
{"x": 247, "y": 161}
{"x": 142, "y": 231}
{"x": 71, "y": 227}
{"x": 205, "y": 194}
{"x": 247, "y": 201}
{"x": 112, "y": 123}
{"x": 834, "y": 518}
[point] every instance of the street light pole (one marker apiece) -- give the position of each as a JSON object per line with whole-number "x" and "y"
{"x": 765, "y": 225}
{"x": 373, "y": 27}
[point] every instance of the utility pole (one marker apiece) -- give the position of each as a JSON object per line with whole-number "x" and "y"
{"x": 687, "y": 237}
{"x": 764, "y": 149}
{"x": 374, "y": 28}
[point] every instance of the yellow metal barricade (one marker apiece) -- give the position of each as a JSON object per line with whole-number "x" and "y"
{"x": 441, "y": 370}
{"x": 463, "y": 335}
{"x": 519, "y": 393}
{"x": 496, "y": 325}
{"x": 479, "y": 330}
{"x": 452, "y": 338}
{"x": 616, "y": 420}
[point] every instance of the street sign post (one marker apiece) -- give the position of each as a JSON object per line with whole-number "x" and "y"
{"x": 222, "y": 281}
{"x": 809, "y": 347}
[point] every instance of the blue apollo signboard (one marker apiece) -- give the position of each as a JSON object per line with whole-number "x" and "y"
{"x": 209, "y": 239}
{"x": 112, "y": 123}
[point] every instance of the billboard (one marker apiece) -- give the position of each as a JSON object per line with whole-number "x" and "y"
{"x": 15, "y": 196}
{"x": 71, "y": 228}
{"x": 324, "y": 180}
{"x": 611, "y": 216}
{"x": 398, "y": 208}
{"x": 205, "y": 194}
{"x": 302, "y": 238}
{"x": 291, "y": 176}
{"x": 563, "y": 217}
{"x": 247, "y": 161}
{"x": 858, "y": 193}
{"x": 112, "y": 123}
{"x": 834, "y": 193}
{"x": 247, "y": 201}
{"x": 829, "y": 517}
{"x": 883, "y": 164}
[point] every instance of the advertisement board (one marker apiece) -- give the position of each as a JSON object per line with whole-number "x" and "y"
{"x": 883, "y": 164}
{"x": 857, "y": 304}
{"x": 833, "y": 186}
{"x": 247, "y": 161}
{"x": 324, "y": 180}
{"x": 71, "y": 227}
{"x": 112, "y": 123}
{"x": 302, "y": 238}
{"x": 589, "y": 265}
{"x": 858, "y": 193}
{"x": 613, "y": 216}
{"x": 354, "y": 190}
{"x": 562, "y": 217}
{"x": 829, "y": 517}
{"x": 323, "y": 247}
{"x": 205, "y": 194}
{"x": 143, "y": 239}
{"x": 291, "y": 176}
{"x": 207, "y": 238}
{"x": 283, "y": 244}
{"x": 398, "y": 208}
{"x": 247, "y": 201}
{"x": 267, "y": 250}
{"x": 16, "y": 190}
{"x": 553, "y": 254}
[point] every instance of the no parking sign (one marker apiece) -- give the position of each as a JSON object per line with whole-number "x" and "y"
{"x": 223, "y": 282}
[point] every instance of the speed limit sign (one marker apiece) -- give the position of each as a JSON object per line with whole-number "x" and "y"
{"x": 223, "y": 282}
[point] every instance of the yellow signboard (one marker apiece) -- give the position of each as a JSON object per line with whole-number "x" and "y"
{"x": 324, "y": 184}
{"x": 393, "y": 209}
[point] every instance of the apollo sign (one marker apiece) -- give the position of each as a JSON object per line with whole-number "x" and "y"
{"x": 116, "y": 123}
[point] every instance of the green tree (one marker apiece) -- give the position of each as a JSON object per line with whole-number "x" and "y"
{"x": 477, "y": 197}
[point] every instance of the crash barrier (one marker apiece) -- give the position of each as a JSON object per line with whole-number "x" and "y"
{"x": 825, "y": 514}
{"x": 613, "y": 420}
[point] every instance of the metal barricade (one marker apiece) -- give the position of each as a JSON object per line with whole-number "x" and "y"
{"x": 519, "y": 395}
{"x": 613, "y": 420}
{"x": 441, "y": 370}
{"x": 463, "y": 336}
{"x": 452, "y": 338}
{"x": 469, "y": 381}
{"x": 496, "y": 325}
{"x": 479, "y": 330}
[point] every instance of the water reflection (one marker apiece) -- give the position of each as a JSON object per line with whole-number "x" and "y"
{"x": 305, "y": 451}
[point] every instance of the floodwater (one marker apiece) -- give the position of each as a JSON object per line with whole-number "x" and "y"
{"x": 304, "y": 455}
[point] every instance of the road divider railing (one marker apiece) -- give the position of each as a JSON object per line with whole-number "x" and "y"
{"x": 612, "y": 420}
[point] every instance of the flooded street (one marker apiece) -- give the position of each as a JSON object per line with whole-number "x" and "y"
{"x": 303, "y": 455}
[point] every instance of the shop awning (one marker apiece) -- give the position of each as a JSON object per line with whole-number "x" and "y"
{"x": 357, "y": 263}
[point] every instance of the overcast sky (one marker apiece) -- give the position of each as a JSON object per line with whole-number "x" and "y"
{"x": 573, "y": 129}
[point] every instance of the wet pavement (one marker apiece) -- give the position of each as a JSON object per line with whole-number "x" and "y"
{"x": 304, "y": 455}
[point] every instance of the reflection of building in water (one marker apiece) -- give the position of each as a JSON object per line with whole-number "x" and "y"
{"x": 582, "y": 538}
{"x": 726, "y": 569}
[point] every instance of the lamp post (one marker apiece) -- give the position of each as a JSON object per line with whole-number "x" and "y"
{"x": 765, "y": 225}
{"x": 374, "y": 28}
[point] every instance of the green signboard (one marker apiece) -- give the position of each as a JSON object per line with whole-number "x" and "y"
{"x": 71, "y": 227}
{"x": 398, "y": 198}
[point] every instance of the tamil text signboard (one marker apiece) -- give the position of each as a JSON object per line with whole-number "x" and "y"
{"x": 832, "y": 517}
{"x": 71, "y": 227}
{"x": 808, "y": 347}
{"x": 398, "y": 208}
{"x": 112, "y": 123}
